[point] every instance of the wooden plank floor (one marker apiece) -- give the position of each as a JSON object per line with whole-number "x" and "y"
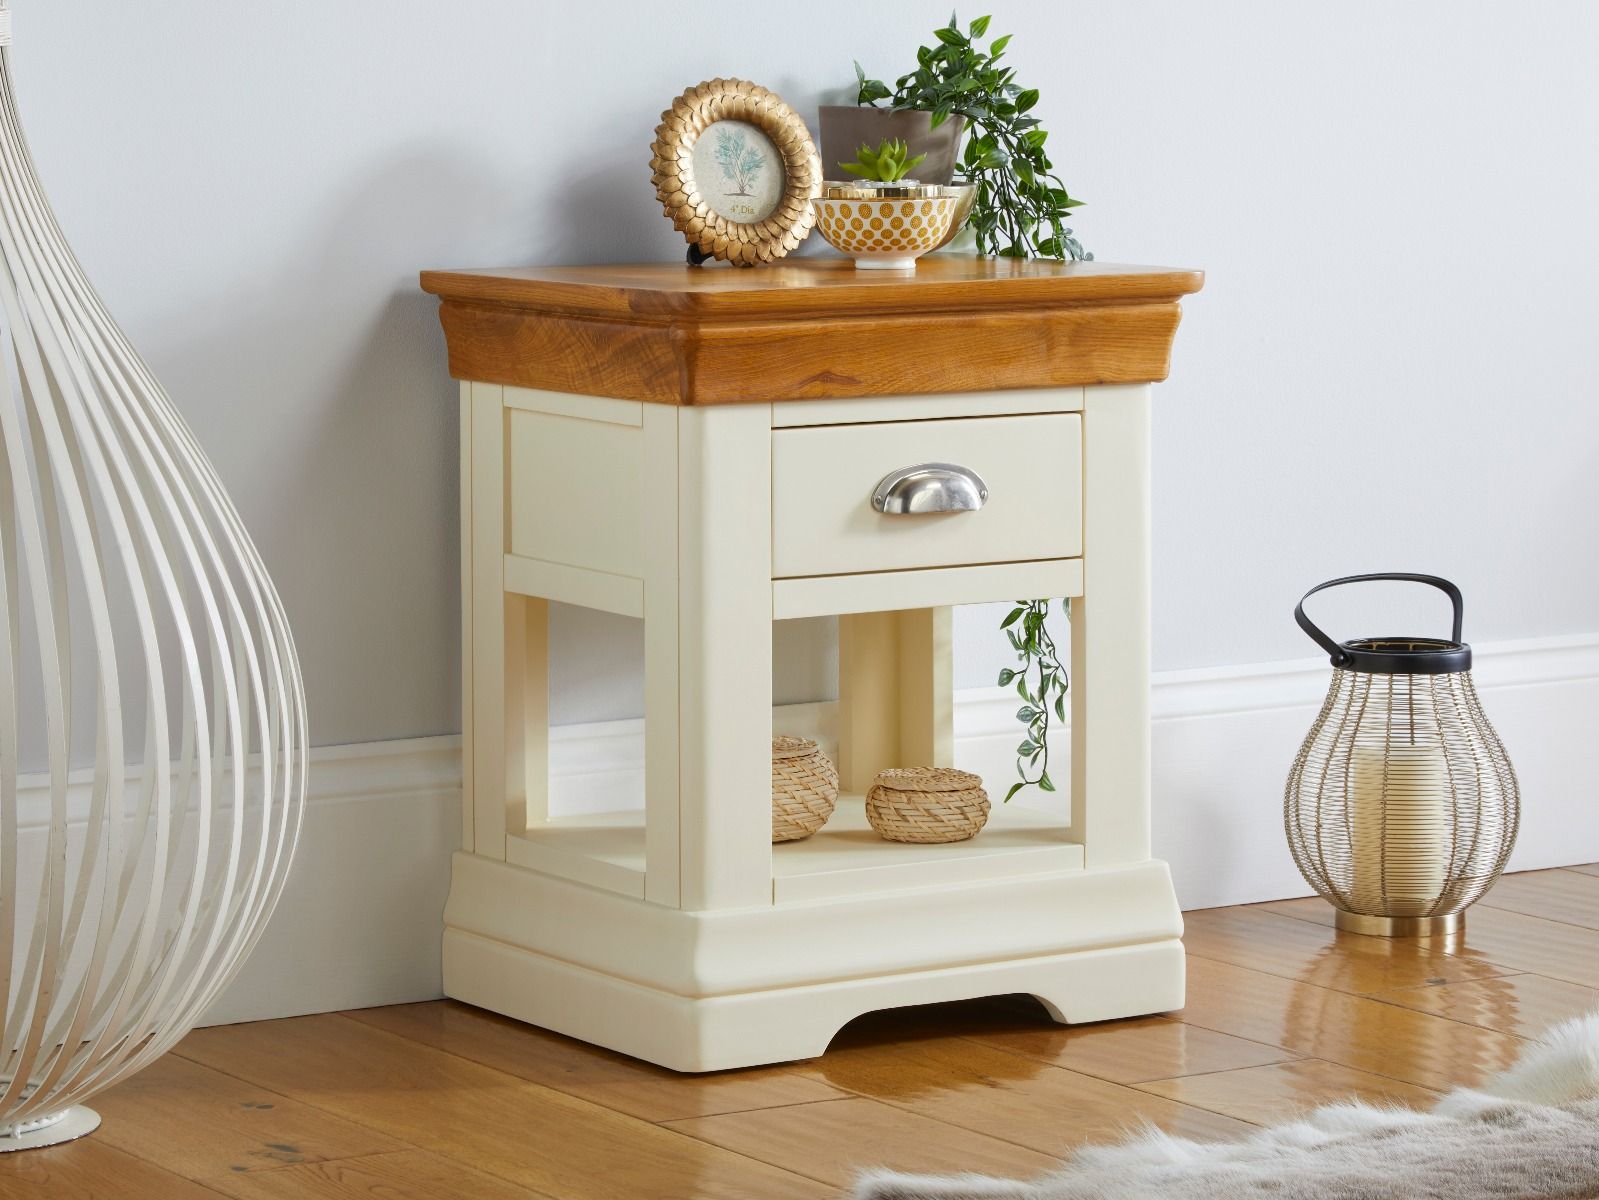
{"x": 438, "y": 1101}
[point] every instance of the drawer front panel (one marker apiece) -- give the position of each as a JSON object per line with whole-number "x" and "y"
{"x": 823, "y": 521}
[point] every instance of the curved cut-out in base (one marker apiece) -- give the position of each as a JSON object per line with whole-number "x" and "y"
{"x": 739, "y": 1023}
{"x": 51, "y": 1130}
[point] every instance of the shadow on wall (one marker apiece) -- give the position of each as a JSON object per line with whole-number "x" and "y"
{"x": 378, "y": 471}
{"x": 337, "y": 431}
{"x": 598, "y": 213}
{"x": 338, "y": 440}
{"x": 365, "y": 511}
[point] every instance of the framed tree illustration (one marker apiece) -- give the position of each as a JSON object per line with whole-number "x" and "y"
{"x": 741, "y": 161}
{"x": 735, "y": 170}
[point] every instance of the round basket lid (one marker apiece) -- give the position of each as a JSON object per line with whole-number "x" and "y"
{"x": 784, "y": 746}
{"x": 927, "y": 779}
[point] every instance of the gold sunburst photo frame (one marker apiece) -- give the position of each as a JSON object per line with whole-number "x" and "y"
{"x": 735, "y": 169}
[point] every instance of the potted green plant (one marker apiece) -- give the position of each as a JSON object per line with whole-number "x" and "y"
{"x": 1021, "y": 204}
{"x": 847, "y": 126}
{"x": 891, "y": 162}
{"x": 1019, "y": 210}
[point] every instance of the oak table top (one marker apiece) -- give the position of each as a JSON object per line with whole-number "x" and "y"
{"x": 810, "y": 328}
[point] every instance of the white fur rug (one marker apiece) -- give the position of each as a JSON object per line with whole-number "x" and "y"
{"x": 1532, "y": 1133}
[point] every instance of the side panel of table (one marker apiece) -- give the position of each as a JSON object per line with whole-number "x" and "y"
{"x": 645, "y": 511}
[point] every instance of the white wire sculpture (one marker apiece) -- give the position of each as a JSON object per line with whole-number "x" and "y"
{"x": 137, "y": 625}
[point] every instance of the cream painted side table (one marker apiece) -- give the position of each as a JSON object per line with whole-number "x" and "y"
{"x": 700, "y": 448}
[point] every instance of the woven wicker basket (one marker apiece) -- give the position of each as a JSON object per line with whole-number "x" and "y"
{"x": 927, "y": 804}
{"x": 804, "y": 788}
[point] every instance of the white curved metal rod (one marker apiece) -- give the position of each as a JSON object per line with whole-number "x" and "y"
{"x": 131, "y": 601}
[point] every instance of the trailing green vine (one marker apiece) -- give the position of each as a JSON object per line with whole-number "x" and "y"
{"x": 1041, "y": 681}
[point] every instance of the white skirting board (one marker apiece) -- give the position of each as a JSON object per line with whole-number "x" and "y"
{"x": 360, "y": 923}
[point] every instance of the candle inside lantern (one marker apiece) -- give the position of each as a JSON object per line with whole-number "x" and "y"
{"x": 1399, "y": 826}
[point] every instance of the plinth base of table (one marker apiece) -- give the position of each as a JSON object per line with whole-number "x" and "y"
{"x": 709, "y": 992}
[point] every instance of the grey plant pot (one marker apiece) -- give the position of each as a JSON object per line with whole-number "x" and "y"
{"x": 846, "y": 127}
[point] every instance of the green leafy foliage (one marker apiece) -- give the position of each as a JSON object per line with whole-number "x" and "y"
{"x": 1041, "y": 682}
{"x": 1021, "y": 204}
{"x": 1020, "y": 211}
{"x": 889, "y": 162}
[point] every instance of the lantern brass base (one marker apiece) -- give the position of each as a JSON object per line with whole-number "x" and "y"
{"x": 1411, "y": 927}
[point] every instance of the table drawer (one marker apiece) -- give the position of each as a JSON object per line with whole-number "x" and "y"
{"x": 823, "y": 480}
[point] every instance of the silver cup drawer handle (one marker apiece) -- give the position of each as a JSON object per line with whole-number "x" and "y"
{"x": 930, "y": 488}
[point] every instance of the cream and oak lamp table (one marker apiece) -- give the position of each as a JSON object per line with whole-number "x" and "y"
{"x": 700, "y": 449}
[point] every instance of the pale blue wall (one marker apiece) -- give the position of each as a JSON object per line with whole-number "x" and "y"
{"x": 1393, "y": 363}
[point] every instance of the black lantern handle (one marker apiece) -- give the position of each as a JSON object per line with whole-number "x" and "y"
{"x": 1333, "y": 648}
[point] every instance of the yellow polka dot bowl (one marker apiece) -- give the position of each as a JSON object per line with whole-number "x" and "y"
{"x": 887, "y": 227}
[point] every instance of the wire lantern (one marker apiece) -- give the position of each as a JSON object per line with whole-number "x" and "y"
{"x": 1402, "y": 806}
{"x": 139, "y": 633}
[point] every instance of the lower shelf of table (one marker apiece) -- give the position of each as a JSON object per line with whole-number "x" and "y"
{"x": 845, "y": 858}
